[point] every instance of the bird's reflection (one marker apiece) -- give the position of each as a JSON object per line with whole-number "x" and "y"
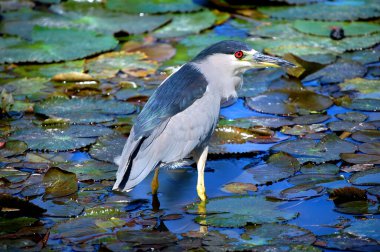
{"x": 155, "y": 203}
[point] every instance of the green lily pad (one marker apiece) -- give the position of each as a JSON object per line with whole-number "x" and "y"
{"x": 362, "y": 104}
{"x": 324, "y": 28}
{"x": 13, "y": 148}
{"x": 56, "y": 139}
{"x": 365, "y": 228}
{"x": 338, "y": 72}
{"x": 367, "y": 136}
{"x": 344, "y": 241}
{"x": 374, "y": 191}
{"x": 146, "y": 237}
{"x": 277, "y": 234}
{"x": 352, "y": 117}
{"x": 349, "y": 126}
{"x": 59, "y": 183}
{"x": 370, "y": 148}
{"x": 368, "y": 177}
{"x": 354, "y": 158}
{"x": 186, "y": 23}
{"x": 108, "y": 147}
{"x": 58, "y": 208}
{"x": 363, "y": 88}
{"x": 285, "y": 102}
{"x": 300, "y": 130}
{"x": 107, "y": 65}
{"x": 348, "y": 10}
{"x": 83, "y": 110}
{"x": 325, "y": 168}
{"x": 27, "y": 88}
{"x": 306, "y": 150}
{"x": 235, "y": 135}
{"x": 363, "y": 56}
{"x": 238, "y": 187}
{"x": 92, "y": 170}
{"x": 313, "y": 179}
{"x": 49, "y": 70}
{"x": 54, "y": 44}
{"x": 358, "y": 207}
{"x": 14, "y": 176}
{"x": 279, "y": 166}
{"x": 8, "y": 226}
{"x": 237, "y": 211}
{"x": 301, "y": 192}
{"x": 265, "y": 121}
{"x": 152, "y": 6}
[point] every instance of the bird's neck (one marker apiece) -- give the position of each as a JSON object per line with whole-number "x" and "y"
{"x": 221, "y": 80}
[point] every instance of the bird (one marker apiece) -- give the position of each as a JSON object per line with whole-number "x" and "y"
{"x": 180, "y": 116}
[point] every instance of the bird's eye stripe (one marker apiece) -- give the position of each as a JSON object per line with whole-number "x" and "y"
{"x": 239, "y": 54}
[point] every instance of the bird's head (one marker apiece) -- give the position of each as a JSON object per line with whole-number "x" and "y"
{"x": 238, "y": 57}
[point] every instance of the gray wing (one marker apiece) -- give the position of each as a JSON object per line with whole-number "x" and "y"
{"x": 166, "y": 129}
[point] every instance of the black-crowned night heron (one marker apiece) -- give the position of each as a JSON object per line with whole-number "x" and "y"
{"x": 180, "y": 116}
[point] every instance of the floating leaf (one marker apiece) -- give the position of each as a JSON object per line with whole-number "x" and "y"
{"x": 49, "y": 70}
{"x": 54, "y": 44}
{"x": 13, "y": 148}
{"x": 56, "y": 139}
{"x": 363, "y": 56}
{"x": 352, "y": 117}
{"x": 365, "y": 89}
{"x": 8, "y": 226}
{"x": 300, "y": 130}
{"x": 277, "y": 234}
{"x": 344, "y": 241}
{"x": 374, "y": 191}
{"x": 349, "y": 10}
{"x": 357, "y": 167}
{"x": 365, "y": 228}
{"x": 313, "y": 179}
{"x": 349, "y": 126}
{"x": 27, "y": 88}
{"x": 370, "y": 148}
{"x": 358, "y": 207}
{"x": 338, "y": 72}
{"x": 325, "y": 168}
{"x": 301, "y": 192}
{"x": 235, "y": 135}
{"x": 285, "y": 102}
{"x": 107, "y": 65}
{"x": 237, "y": 211}
{"x": 83, "y": 110}
{"x": 279, "y": 166}
{"x": 59, "y": 183}
{"x": 186, "y": 23}
{"x": 362, "y": 104}
{"x": 367, "y": 136}
{"x": 324, "y": 28}
{"x": 92, "y": 170}
{"x": 368, "y": 177}
{"x": 14, "y": 176}
{"x": 20, "y": 207}
{"x": 58, "y": 208}
{"x": 347, "y": 194}
{"x": 307, "y": 150}
{"x": 354, "y": 158}
{"x": 107, "y": 148}
{"x": 146, "y": 237}
{"x": 152, "y": 6}
{"x": 157, "y": 51}
{"x": 238, "y": 187}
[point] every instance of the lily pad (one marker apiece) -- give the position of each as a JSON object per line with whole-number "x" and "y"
{"x": 370, "y": 148}
{"x": 349, "y": 126}
{"x": 345, "y": 11}
{"x": 354, "y": 158}
{"x": 55, "y": 44}
{"x": 325, "y": 168}
{"x": 362, "y": 104}
{"x": 367, "y": 136}
{"x": 108, "y": 147}
{"x": 235, "y": 135}
{"x": 300, "y": 130}
{"x": 59, "y": 183}
{"x": 146, "y": 237}
{"x": 358, "y": 207}
{"x": 8, "y": 226}
{"x": 27, "y": 88}
{"x": 20, "y": 207}
{"x": 374, "y": 191}
{"x": 238, "y": 187}
{"x": 13, "y": 148}
{"x": 83, "y": 110}
{"x": 277, "y": 234}
{"x": 313, "y": 179}
{"x": 338, "y": 72}
{"x": 92, "y": 170}
{"x": 58, "y": 208}
{"x": 237, "y": 211}
{"x": 279, "y": 166}
{"x": 301, "y": 192}
{"x": 306, "y": 150}
{"x": 363, "y": 88}
{"x": 285, "y": 102}
{"x": 363, "y": 56}
{"x": 365, "y": 228}
{"x": 187, "y": 23}
{"x": 368, "y": 177}
{"x": 56, "y": 139}
{"x": 152, "y": 6}
{"x": 345, "y": 241}
{"x": 324, "y": 28}
{"x": 352, "y": 117}
{"x": 107, "y": 65}
{"x": 49, "y": 70}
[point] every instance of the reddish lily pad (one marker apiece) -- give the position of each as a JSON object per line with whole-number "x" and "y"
{"x": 59, "y": 183}
{"x": 238, "y": 187}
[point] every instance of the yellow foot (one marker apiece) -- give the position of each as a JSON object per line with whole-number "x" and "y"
{"x": 201, "y": 193}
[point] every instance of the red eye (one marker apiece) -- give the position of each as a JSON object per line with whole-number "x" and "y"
{"x": 239, "y": 54}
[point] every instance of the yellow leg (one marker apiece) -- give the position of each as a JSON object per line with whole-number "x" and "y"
{"x": 155, "y": 183}
{"x": 201, "y": 162}
{"x": 203, "y": 228}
